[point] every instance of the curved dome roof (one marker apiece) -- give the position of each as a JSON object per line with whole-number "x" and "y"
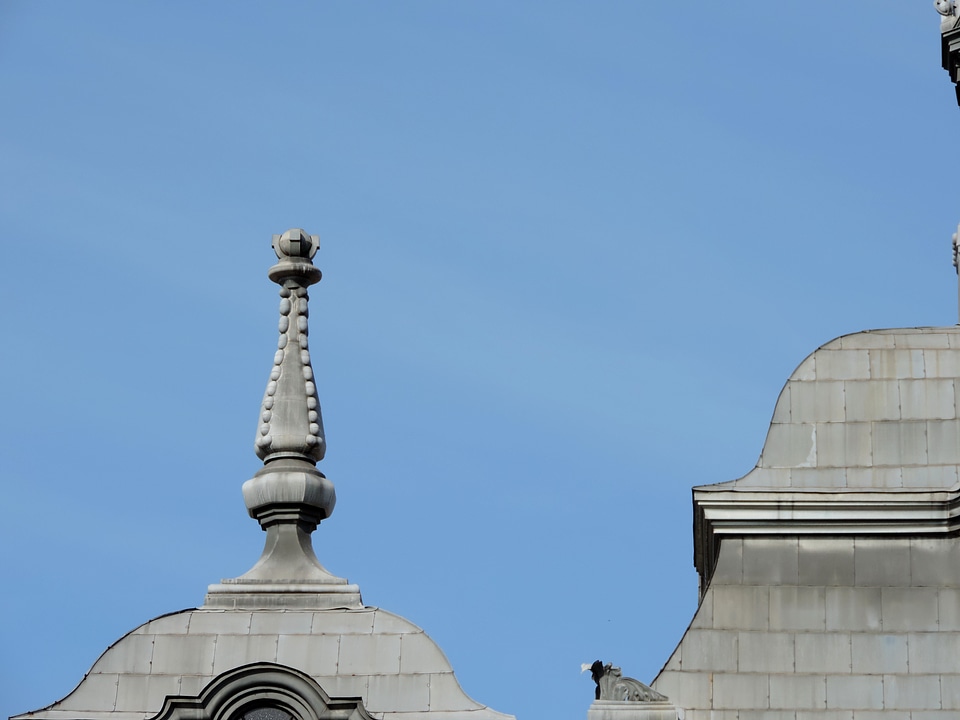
{"x": 367, "y": 653}
{"x": 875, "y": 409}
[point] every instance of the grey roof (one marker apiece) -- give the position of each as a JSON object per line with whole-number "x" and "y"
{"x": 875, "y": 409}
{"x": 397, "y": 670}
{"x": 830, "y": 583}
{"x": 821, "y": 628}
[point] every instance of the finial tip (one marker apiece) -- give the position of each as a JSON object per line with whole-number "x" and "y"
{"x": 296, "y": 243}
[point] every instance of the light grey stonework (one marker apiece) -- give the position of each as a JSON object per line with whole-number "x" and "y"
{"x": 610, "y": 710}
{"x": 289, "y": 497}
{"x": 881, "y": 647}
{"x": 830, "y": 574}
{"x": 287, "y": 633}
{"x": 388, "y": 662}
{"x": 876, "y": 399}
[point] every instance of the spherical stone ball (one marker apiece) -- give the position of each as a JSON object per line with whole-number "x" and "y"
{"x": 296, "y": 243}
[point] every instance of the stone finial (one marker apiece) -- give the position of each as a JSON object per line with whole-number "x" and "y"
{"x": 295, "y": 243}
{"x": 289, "y": 496}
{"x": 290, "y": 422}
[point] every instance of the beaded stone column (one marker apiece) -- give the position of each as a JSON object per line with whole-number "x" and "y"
{"x": 289, "y": 496}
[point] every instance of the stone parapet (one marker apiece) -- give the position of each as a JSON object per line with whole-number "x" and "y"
{"x": 619, "y": 710}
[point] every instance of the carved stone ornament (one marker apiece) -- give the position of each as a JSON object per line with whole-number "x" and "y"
{"x": 611, "y": 685}
{"x": 289, "y": 496}
{"x": 950, "y": 40}
{"x": 947, "y": 8}
{"x": 956, "y": 251}
{"x": 290, "y": 422}
{"x": 262, "y": 686}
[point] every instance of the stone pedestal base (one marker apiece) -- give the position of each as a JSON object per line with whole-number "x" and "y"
{"x": 244, "y": 594}
{"x": 623, "y": 710}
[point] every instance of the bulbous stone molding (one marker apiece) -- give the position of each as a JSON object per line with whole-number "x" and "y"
{"x": 262, "y": 685}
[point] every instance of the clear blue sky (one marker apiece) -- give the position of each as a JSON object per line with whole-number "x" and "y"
{"x": 571, "y": 252}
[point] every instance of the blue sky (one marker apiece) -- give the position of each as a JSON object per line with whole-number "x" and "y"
{"x": 571, "y": 253}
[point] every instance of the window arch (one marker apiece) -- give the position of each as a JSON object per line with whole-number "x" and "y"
{"x": 262, "y": 691}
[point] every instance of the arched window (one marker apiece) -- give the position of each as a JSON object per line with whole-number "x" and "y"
{"x": 262, "y": 691}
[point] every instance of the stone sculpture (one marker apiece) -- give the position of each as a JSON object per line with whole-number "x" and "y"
{"x": 947, "y": 8}
{"x": 611, "y": 685}
{"x": 289, "y": 496}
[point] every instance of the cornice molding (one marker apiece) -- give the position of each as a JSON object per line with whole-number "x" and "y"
{"x": 721, "y": 513}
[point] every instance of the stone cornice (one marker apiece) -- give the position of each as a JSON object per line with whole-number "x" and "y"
{"x": 720, "y": 513}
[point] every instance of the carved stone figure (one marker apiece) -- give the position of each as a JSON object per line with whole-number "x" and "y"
{"x": 611, "y": 685}
{"x": 956, "y": 251}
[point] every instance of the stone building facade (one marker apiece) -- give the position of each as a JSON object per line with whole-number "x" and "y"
{"x": 831, "y": 572}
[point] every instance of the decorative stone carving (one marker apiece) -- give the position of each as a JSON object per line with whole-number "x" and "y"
{"x": 289, "y": 497}
{"x": 950, "y": 40}
{"x": 956, "y": 263}
{"x": 290, "y": 421}
{"x": 611, "y": 685}
{"x": 956, "y": 252}
{"x": 947, "y": 8}
{"x": 623, "y": 698}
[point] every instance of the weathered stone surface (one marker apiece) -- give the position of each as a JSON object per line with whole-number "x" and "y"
{"x": 394, "y": 669}
{"x": 873, "y": 399}
{"x": 610, "y": 710}
{"x": 831, "y": 570}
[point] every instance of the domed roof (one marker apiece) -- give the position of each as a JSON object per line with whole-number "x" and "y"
{"x": 368, "y": 653}
{"x": 875, "y": 409}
